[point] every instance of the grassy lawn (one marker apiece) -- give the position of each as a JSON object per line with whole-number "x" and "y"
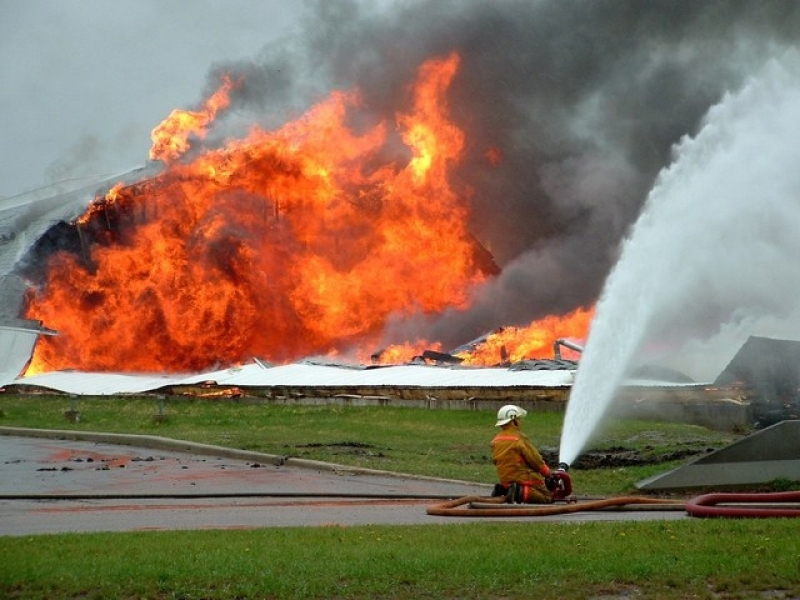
{"x": 656, "y": 559}
{"x": 442, "y": 443}
{"x": 692, "y": 558}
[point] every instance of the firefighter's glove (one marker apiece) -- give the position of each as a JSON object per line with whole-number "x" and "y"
{"x": 552, "y": 482}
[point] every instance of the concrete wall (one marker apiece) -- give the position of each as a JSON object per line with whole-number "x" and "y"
{"x": 721, "y": 409}
{"x": 535, "y": 399}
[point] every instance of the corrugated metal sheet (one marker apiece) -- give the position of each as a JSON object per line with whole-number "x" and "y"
{"x": 299, "y": 374}
{"x": 96, "y": 384}
{"x": 24, "y": 218}
{"x": 16, "y": 347}
{"x": 312, "y": 375}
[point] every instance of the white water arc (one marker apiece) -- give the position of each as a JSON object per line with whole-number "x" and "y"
{"x": 713, "y": 257}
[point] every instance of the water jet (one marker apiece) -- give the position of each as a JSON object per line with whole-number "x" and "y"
{"x": 710, "y": 260}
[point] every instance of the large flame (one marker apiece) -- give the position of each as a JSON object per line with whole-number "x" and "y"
{"x": 288, "y": 243}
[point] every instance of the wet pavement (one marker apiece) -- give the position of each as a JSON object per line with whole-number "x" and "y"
{"x": 59, "y": 485}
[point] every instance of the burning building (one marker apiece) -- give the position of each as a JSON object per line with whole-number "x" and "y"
{"x": 417, "y": 192}
{"x": 282, "y": 245}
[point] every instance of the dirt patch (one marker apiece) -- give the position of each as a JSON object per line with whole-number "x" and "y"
{"x": 349, "y": 448}
{"x": 620, "y": 456}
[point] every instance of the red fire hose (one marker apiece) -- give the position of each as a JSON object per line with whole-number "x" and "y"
{"x": 707, "y": 505}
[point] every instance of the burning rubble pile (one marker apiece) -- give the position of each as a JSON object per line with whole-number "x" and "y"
{"x": 300, "y": 241}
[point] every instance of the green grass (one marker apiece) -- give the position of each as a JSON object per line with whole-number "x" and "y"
{"x": 661, "y": 559}
{"x": 452, "y": 444}
{"x": 691, "y": 558}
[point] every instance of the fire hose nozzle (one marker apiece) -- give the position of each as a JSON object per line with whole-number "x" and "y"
{"x": 563, "y": 467}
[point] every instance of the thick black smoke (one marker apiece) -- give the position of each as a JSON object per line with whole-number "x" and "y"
{"x": 583, "y": 99}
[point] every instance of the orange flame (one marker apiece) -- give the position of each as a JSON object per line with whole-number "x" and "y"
{"x": 171, "y": 136}
{"x": 100, "y": 204}
{"x": 511, "y": 344}
{"x": 280, "y": 245}
{"x": 397, "y": 354}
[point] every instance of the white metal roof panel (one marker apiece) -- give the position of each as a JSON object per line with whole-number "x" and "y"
{"x": 299, "y": 374}
{"x": 16, "y": 347}
{"x": 302, "y": 374}
{"x": 96, "y": 384}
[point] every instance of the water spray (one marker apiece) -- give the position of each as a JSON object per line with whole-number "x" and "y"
{"x": 710, "y": 260}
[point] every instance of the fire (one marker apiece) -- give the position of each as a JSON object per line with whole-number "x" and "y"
{"x": 280, "y": 245}
{"x": 171, "y": 136}
{"x": 397, "y": 354}
{"x": 300, "y": 241}
{"x": 511, "y": 344}
{"x": 506, "y": 344}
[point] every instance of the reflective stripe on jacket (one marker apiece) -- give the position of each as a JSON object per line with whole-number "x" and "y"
{"x": 516, "y": 459}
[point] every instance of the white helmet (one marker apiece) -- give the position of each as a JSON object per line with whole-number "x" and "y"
{"x": 508, "y": 413}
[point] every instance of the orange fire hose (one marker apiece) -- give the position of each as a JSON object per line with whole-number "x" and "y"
{"x": 702, "y": 506}
{"x": 452, "y": 508}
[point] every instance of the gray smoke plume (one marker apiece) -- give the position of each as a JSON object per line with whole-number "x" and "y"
{"x": 584, "y": 100}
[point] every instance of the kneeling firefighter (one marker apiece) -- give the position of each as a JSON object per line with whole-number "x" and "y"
{"x": 524, "y": 475}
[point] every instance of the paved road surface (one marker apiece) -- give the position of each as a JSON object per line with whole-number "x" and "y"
{"x": 200, "y": 488}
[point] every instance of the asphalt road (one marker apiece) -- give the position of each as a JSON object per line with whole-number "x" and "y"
{"x": 57, "y": 485}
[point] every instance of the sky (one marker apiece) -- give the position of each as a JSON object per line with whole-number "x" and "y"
{"x": 85, "y": 81}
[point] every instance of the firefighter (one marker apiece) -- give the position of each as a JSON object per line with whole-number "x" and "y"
{"x": 522, "y": 472}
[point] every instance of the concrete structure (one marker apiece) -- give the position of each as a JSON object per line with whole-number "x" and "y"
{"x": 762, "y": 457}
{"x": 720, "y": 408}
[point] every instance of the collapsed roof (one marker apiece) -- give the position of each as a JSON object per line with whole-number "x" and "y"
{"x": 25, "y": 218}
{"x": 765, "y": 363}
{"x": 302, "y": 374}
